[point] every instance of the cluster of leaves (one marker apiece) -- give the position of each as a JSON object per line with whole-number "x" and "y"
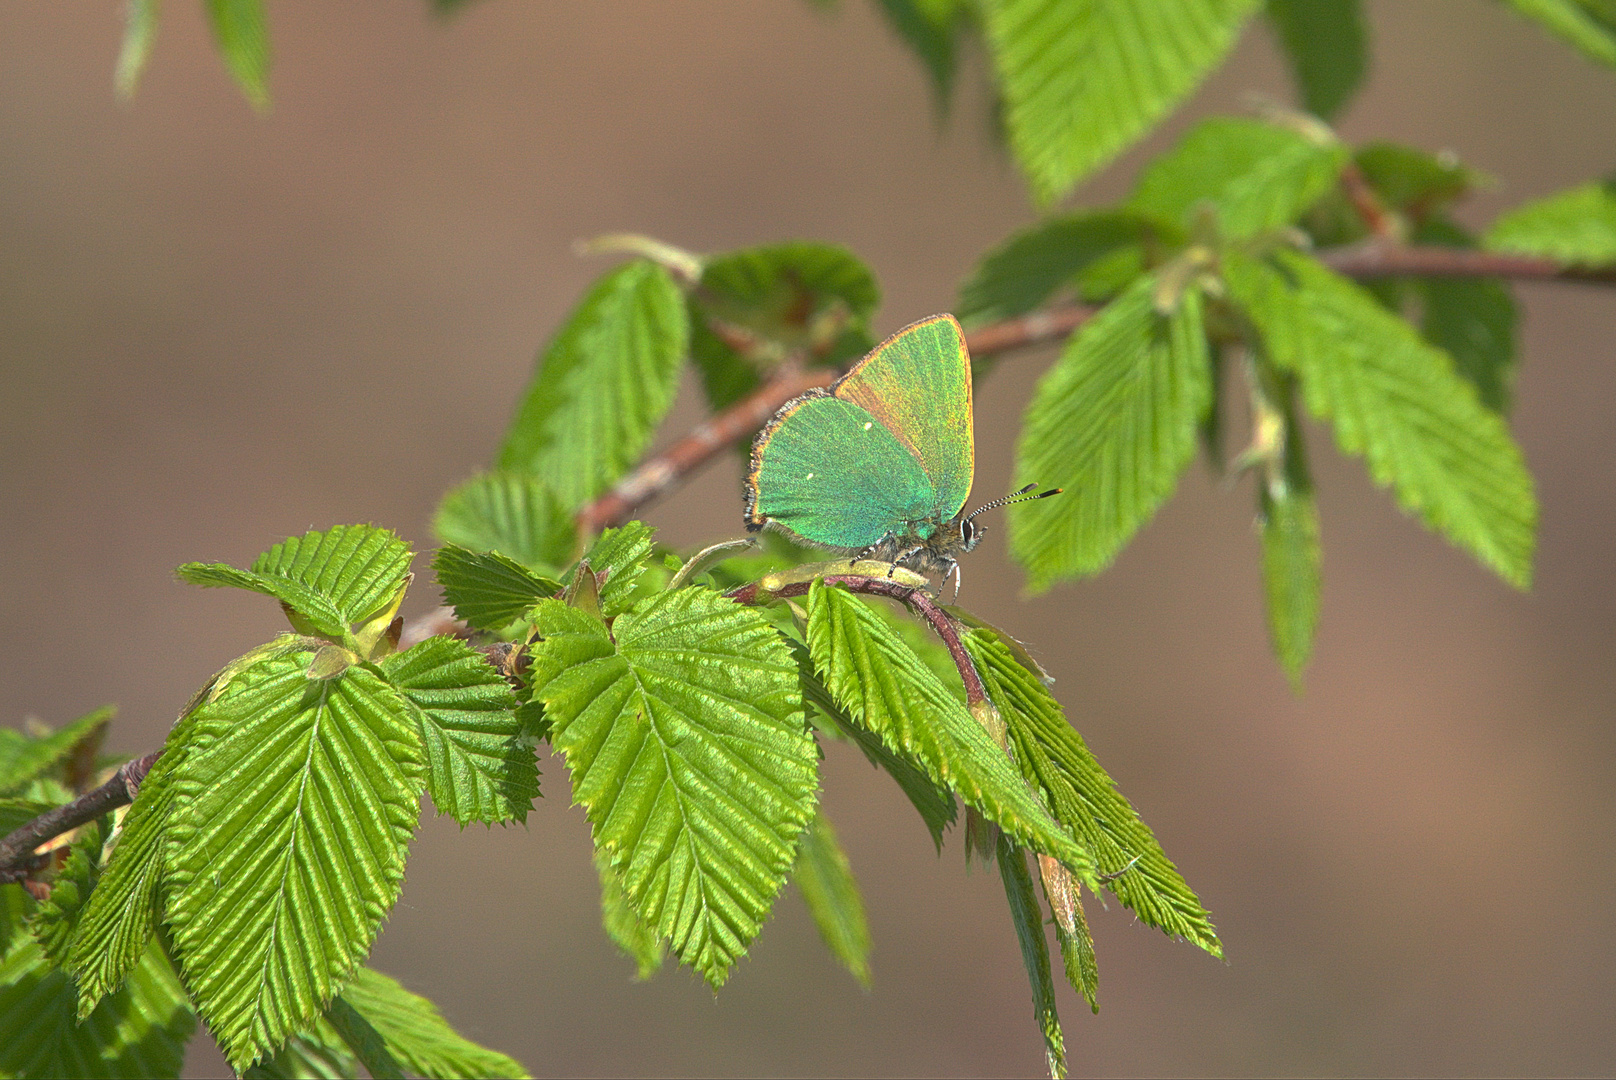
{"x": 249, "y": 877}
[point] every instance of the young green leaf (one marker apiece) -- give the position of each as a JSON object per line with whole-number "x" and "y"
{"x": 293, "y": 809}
{"x": 308, "y": 610}
{"x": 416, "y": 1034}
{"x": 623, "y": 924}
{"x": 1397, "y": 401}
{"x": 141, "y": 1030}
{"x": 1471, "y": 319}
{"x": 602, "y": 385}
{"x": 480, "y": 767}
{"x": 488, "y": 590}
{"x": 1026, "y": 270}
{"x": 825, "y": 879}
{"x": 360, "y": 569}
{"x": 779, "y": 300}
{"x": 1291, "y": 556}
{"x": 1577, "y": 227}
{"x": 512, "y": 513}
{"x": 1327, "y": 44}
{"x": 239, "y": 31}
{"x": 931, "y": 28}
{"x": 1028, "y": 919}
{"x": 1082, "y": 79}
{"x": 140, "y": 30}
{"x": 1590, "y": 25}
{"x": 618, "y": 558}
{"x": 30, "y": 758}
{"x": 1071, "y": 930}
{"x": 1054, "y": 757}
{"x": 1114, "y": 423}
{"x": 687, "y": 747}
{"x": 57, "y": 916}
{"x": 366, "y": 1043}
{"x": 882, "y": 686}
{"x": 318, "y": 1053}
{"x": 1256, "y": 176}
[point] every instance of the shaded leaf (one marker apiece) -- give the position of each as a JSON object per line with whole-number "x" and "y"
{"x": 825, "y": 879}
{"x": 602, "y": 385}
{"x": 618, "y": 558}
{"x": 57, "y": 916}
{"x": 1255, "y": 175}
{"x": 1471, "y": 319}
{"x": 140, "y": 30}
{"x": 1590, "y": 25}
{"x": 418, "y": 1036}
{"x": 931, "y": 28}
{"x": 1577, "y": 227}
{"x": 1028, "y": 919}
{"x": 363, "y": 1040}
{"x": 882, "y": 686}
{"x": 26, "y": 759}
{"x": 1398, "y": 402}
{"x": 514, "y": 514}
{"x": 1291, "y": 554}
{"x": 243, "y": 39}
{"x": 623, "y": 924}
{"x": 293, "y": 809}
{"x": 1082, "y": 79}
{"x": 1028, "y": 269}
{"x": 1327, "y": 44}
{"x": 1414, "y": 181}
{"x": 480, "y": 764}
{"x": 488, "y": 591}
{"x": 1113, "y": 422}
{"x": 316, "y": 612}
{"x": 1053, "y": 756}
{"x": 688, "y": 750}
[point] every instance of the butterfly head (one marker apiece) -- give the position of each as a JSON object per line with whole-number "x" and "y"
{"x": 970, "y": 533}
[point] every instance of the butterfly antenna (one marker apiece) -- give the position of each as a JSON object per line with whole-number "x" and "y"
{"x": 1019, "y": 496}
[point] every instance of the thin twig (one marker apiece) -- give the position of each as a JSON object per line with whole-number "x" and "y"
{"x": 119, "y": 791}
{"x": 1361, "y": 194}
{"x": 1379, "y": 259}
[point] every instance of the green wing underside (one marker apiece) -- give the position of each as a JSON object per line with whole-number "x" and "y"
{"x": 830, "y": 472}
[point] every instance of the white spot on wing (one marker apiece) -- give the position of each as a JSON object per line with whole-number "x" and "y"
{"x": 810, "y": 476}
{"x": 868, "y": 424}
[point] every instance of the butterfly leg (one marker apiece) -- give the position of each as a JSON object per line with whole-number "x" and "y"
{"x": 954, "y": 569}
{"x": 898, "y": 559}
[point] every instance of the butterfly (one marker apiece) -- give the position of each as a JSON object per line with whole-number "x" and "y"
{"x": 879, "y": 464}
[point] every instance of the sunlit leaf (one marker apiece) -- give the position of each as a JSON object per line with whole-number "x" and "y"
{"x": 417, "y": 1035}
{"x": 1577, "y": 227}
{"x": 488, "y": 590}
{"x": 512, "y": 513}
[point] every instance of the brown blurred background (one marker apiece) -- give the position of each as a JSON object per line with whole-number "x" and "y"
{"x": 217, "y": 329}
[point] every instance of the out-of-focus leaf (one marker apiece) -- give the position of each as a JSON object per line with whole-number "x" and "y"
{"x": 825, "y": 879}
{"x": 1578, "y": 227}
{"x": 1327, "y": 43}
{"x": 243, "y": 38}
{"x": 511, "y": 513}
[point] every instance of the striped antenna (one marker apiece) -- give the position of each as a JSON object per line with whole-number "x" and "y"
{"x": 1020, "y": 496}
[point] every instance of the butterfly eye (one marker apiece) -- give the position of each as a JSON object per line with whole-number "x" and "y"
{"x": 967, "y": 532}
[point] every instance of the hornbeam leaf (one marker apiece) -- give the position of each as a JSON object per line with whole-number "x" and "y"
{"x": 320, "y": 615}
{"x": 602, "y": 385}
{"x": 58, "y": 914}
{"x": 359, "y": 568}
{"x": 884, "y": 687}
{"x": 1290, "y": 562}
{"x": 1028, "y": 918}
{"x": 479, "y": 765}
{"x": 141, "y": 1030}
{"x": 1054, "y": 757}
{"x": 488, "y": 590}
{"x": 623, "y": 924}
{"x": 1590, "y": 25}
{"x": 825, "y": 879}
{"x": 239, "y": 31}
{"x": 1256, "y": 176}
{"x": 1113, "y": 422}
{"x": 31, "y": 758}
{"x": 931, "y": 28}
{"x": 617, "y": 558}
{"x": 1026, "y": 270}
{"x": 684, "y": 734}
{"x": 140, "y": 30}
{"x": 1471, "y": 319}
{"x": 512, "y": 513}
{"x": 1327, "y": 44}
{"x": 1577, "y": 227}
{"x": 1082, "y": 79}
{"x": 1397, "y": 401}
{"x": 418, "y": 1036}
{"x": 293, "y": 808}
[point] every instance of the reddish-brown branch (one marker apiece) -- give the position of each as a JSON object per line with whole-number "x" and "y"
{"x": 121, "y": 790}
{"x": 1379, "y": 259}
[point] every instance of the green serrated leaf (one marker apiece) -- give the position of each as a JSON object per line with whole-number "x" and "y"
{"x": 1028, "y": 269}
{"x": 1327, "y": 44}
{"x": 140, "y": 30}
{"x": 514, "y": 514}
{"x": 825, "y": 879}
{"x": 1028, "y": 919}
{"x": 1053, "y": 756}
{"x": 1577, "y": 227}
{"x": 618, "y": 558}
{"x": 1071, "y": 930}
{"x": 293, "y": 809}
{"x": 781, "y": 300}
{"x": 316, "y": 1054}
{"x": 1471, "y": 319}
{"x": 360, "y": 569}
{"x": 882, "y": 686}
{"x": 417, "y": 1035}
{"x": 1083, "y": 79}
{"x": 623, "y": 924}
{"x": 488, "y": 590}
{"x": 1590, "y": 25}
{"x": 1256, "y": 176}
{"x": 57, "y": 916}
{"x": 932, "y": 801}
{"x": 931, "y": 29}
{"x": 1114, "y": 424}
{"x": 1398, "y": 402}
{"x": 240, "y": 32}
{"x": 141, "y": 1030}
{"x": 480, "y": 765}
{"x": 688, "y": 750}
{"x": 308, "y": 611}
{"x": 602, "y": 385}
{"x": 26, "y": 759}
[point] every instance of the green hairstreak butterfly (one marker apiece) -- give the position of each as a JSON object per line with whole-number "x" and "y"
{"x": 879, "y": 464}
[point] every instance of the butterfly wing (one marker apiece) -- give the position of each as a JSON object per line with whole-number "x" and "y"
{"x": 917, "y": 385}
{"x": 830, "y": 472}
